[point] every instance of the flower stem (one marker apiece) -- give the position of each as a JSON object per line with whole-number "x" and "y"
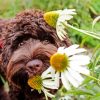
{"x": 92, "y": 78}
{"x": 95, "y": 35}
{"x": 2, "y": 79}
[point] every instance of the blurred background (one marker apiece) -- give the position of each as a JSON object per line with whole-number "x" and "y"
{"x": 87, "y": 11}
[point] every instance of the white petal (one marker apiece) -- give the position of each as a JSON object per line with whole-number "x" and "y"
{"x": 46, "y": 72}
{"x": 60, "y": 34}
{"x": 74, "y": 51}
{"x": 47, "y": 76}
{"x": 60, "y": 30}
{"x": 79, "y": 62}
{"x": 49, "y": 84}
{"x": 68, "y": 11}
{"x": 80, "y": 69}
{"x": 73, "y": 46}
{"x": 80, "y": 59}
{"x": 66, "y": 14}
{"x": 57, "y": 78}
{"x": 47, "y": 93}
{"x": 60, "y": 50}
{"x": 71, "y": 79}
{"x": 64, "y": 32}
{"x": 50, "y": 87}
{"x": 65, "y": 81}
{"x": 64, "y": 18}
{"x": 53, "y": 72}
{"x": 76, "y": 75}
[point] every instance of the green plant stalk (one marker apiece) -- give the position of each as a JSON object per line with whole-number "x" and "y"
{"x": 92, "y": 78}
{"x": 92, "y": 34}
{"x": 2, "y": 79}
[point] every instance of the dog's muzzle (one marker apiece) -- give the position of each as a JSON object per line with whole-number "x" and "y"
{"x": 33, "y": 67}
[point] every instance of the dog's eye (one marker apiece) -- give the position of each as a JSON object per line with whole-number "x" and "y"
{"x": 46, "y": 41}
{"x": 20, "y": 44}
{"x": 47, "y": 38}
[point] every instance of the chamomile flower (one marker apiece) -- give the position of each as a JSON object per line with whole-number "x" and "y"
{"x": 70, "y": 65}
{"x": 43, "y": 83}
{"x": 55, "y": 19}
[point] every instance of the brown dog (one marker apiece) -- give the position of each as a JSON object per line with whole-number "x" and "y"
{"x": 29, "y": 42}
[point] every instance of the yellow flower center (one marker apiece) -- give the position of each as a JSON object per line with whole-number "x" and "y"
{"x": 35, "y": 82}
{"x": 59, "y": 62}
{"x": 51, "y": 18}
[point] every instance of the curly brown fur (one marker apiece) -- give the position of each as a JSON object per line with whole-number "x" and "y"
{"x": 3, "y": 93}
{"x": 28, "y": 45}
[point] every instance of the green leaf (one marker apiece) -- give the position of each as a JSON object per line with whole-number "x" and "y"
{"x": 96, "y": 97}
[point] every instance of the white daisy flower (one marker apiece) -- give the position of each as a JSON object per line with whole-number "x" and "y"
{"x": 55, "y": 19}
{"x": 68, "y": 65}
{"x": 64, "y": 15}
{"x": 43, "y": 83}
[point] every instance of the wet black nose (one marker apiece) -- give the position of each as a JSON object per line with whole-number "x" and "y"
{"x": 35, "y": 64}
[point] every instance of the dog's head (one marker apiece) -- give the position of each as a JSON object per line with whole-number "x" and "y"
{"x": 29, "y": 43}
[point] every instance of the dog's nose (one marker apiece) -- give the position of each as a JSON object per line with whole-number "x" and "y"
{"x": 35, "y": 65}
